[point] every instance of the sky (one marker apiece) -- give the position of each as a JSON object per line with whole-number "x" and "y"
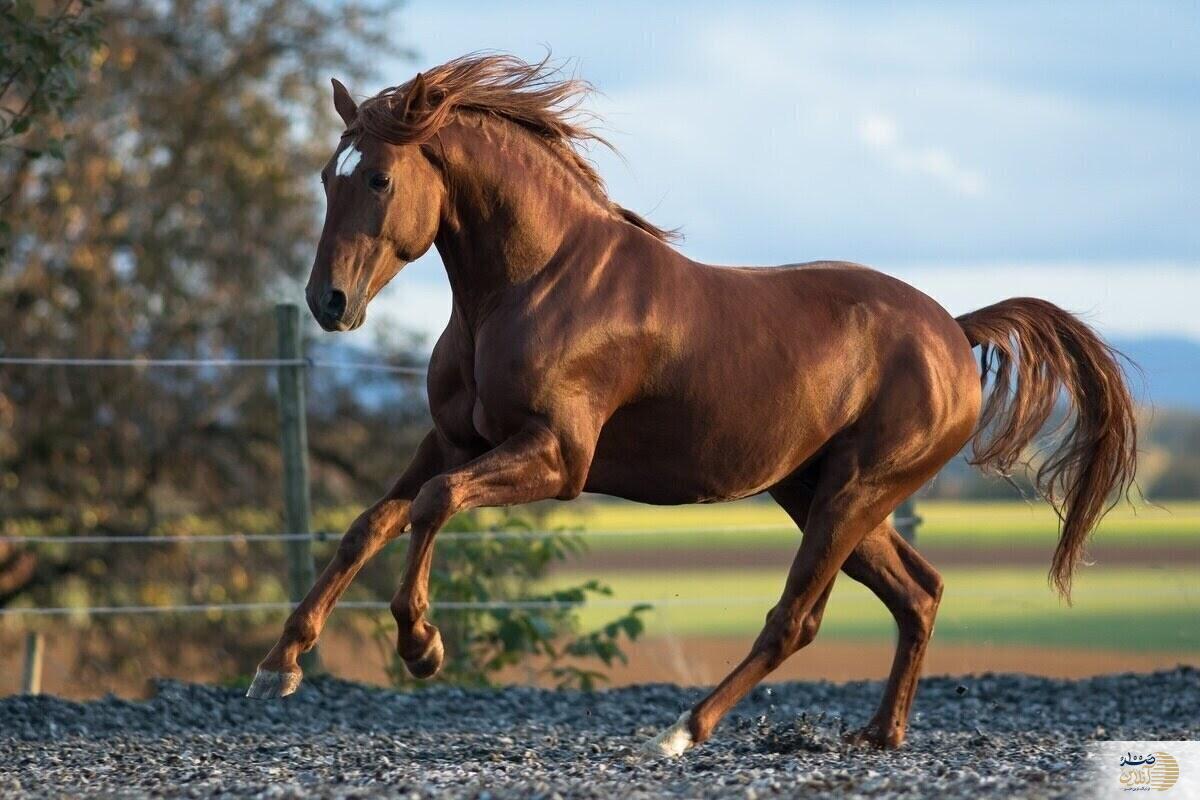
{"x": 977, "y": 151}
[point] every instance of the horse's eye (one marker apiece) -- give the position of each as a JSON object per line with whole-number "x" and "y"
{"x": 379, "y": 181}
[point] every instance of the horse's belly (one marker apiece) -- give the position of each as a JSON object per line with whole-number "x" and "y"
{"x": 663, "y": 453}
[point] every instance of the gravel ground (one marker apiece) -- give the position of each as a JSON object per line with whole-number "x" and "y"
{"x": 991, "y": 735}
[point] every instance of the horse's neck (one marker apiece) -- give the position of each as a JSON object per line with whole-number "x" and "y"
{"x": 513, "y": 207}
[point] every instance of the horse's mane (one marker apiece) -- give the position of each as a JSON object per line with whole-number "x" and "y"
{"x": 530, "y": 95}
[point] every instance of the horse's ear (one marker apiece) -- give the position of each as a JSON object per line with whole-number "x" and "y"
{"x": 418, "y": 95}
{"x": 346, "y": 107}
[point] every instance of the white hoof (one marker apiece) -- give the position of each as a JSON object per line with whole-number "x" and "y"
{"x": 672, "y": 742}
{"x": 267, "y": 684}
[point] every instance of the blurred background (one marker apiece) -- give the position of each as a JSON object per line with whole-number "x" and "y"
{"x": 159, "y": 195}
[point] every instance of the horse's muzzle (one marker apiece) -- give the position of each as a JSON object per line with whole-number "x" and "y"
{"x": 332, "y": 310}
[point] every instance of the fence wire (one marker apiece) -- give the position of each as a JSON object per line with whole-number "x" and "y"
{"x": 379, "y": 605}
{"x": 206, "y": 608}
{"x": 334, "y": 537}
{"x": 656, "y": 604}
{"x": 368, "y": 366}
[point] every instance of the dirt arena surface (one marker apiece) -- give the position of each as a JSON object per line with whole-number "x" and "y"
{"x": 986, "y": 736}
{"x": 687, "y": 661}
{"x": 702, "y": 660}
{"x": 684, "y": 660}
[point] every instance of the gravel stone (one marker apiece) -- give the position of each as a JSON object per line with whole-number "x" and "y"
{"x": 1004, "y": 736}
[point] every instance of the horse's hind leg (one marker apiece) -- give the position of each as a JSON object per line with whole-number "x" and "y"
{"x": 911, "y": 589}
{"x": 781, "y": 637}
{"x": 847, "y": 504}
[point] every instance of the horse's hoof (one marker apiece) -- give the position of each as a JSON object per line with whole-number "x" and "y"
{"x": 672, "y": 742}
{"x": 872, "y": 736}
{"x": 429, "y": 662}
{"x": 268, "y": 684}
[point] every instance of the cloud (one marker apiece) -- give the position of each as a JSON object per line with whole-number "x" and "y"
{"x": 882, "y": 134}
{"x": 1002, "y": 131}
{"x": 878, "y": 131}
{"x": 1018, "y": 149}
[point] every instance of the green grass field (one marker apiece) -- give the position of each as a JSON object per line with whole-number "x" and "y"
{"x": 945, "y": 523}
{"x": 1115, "y": 608}
{"x": 1124, "y": 609}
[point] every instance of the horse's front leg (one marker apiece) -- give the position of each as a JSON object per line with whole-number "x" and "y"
{"x": 279, "y": 673}
{"x": 527, "y": 467}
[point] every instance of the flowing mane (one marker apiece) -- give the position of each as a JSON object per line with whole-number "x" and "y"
{"x": 530, "y": 95}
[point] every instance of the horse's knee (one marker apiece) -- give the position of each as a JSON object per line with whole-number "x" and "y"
{"x": 355, "y": 540}
{"x": 372, "y": 529}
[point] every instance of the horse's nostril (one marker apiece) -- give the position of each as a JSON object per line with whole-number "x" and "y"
{"x": 334, "y": 305}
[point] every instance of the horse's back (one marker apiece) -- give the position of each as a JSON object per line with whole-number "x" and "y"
{"x": 766, "y": 365}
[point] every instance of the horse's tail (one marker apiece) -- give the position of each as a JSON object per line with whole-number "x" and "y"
{"x": 1036, "y": 351}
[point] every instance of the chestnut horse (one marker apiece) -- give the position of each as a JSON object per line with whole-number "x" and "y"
{"x": 583, "y": 353}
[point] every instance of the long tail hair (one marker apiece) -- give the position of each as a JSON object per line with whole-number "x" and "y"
{"x": 1035, "y": 351}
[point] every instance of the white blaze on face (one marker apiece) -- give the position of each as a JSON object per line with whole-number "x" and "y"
{"x": 348, "y": 161}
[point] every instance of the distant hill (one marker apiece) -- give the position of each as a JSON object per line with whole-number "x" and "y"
{"x": 1172, "y": 371}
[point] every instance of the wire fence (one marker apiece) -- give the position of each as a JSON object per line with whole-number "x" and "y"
{"x": 291, "y": 364}
{"x": 212, "y": 362}
{"x": 378, "y": 605}
{"x": 905, "y": 518}
{"x": 208, "y": 608}
{"x": 204, "y": 538}
{"x": 320, "y": 537}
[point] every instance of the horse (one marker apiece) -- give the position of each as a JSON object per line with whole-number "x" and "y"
{"x": 584, "y": 353}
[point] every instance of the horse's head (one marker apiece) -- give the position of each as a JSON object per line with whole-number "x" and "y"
{"x": 383, "y": 205}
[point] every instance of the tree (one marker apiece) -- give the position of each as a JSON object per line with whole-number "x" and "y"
{"x": 183, "y": 197}
{"x": 45, "y": 49}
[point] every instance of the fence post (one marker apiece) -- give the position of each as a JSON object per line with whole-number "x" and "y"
{"x": 31, "y": 677}
{"x": 293, "y": 432}
{"x": 905, "y": 520}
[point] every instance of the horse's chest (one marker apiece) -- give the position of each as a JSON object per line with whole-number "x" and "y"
{"x": 467, "y": 418}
